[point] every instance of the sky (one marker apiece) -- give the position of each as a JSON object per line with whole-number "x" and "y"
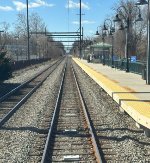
{"x": 61, "y": 15}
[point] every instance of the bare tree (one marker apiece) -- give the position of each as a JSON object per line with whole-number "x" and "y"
{"x": 21, "y": 25}
{"x": 4, "y": 37}
{"x": 137, "y": 30}
{"x": 39, "y": 43}
{"x": 36, "y": 23}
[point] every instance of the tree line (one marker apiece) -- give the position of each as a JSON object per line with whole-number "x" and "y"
{"x": 137, "y": 36}
{"x": 40, "y": 45}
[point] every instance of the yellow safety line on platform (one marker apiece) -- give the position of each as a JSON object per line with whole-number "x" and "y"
{"x": 137, "y": 109}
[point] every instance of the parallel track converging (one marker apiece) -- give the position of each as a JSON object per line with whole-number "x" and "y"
{"x": 70, "y": 136}
{"x": 10, "y": 102}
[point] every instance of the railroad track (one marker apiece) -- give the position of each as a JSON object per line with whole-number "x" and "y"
{"x": 11, "y": 101}
{"x": 70, "y": 137}
{"x": 105, "y": 141}
{"x": 15, "y": 81}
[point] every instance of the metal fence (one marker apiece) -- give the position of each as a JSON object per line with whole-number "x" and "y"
{"x": 24, "y": 63}
{"x": 134, "y": 67}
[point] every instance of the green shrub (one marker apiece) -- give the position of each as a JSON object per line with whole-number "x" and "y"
{"x": 5, "y": 67}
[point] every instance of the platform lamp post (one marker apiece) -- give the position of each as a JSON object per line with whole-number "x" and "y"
{"x": 103, "y": 34}
{"x": 144, "y": 2}
{"x": 98, "y": 29}
{"x": 111, "y": 29}
{"x": 127, "y": 19}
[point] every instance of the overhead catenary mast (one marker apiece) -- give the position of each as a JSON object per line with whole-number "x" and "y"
{"x": 80, "y": 46}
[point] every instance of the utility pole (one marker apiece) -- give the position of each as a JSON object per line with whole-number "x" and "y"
{"x": 80, "y": 48}
{"x": 28, "y": 36}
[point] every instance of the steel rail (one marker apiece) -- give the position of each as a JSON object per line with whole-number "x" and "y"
{"x": 25, "y": 83}
{"x": 56, "y": 111}
{"x": 45, "y": 153}
{"x": 22, "y": 101}
{"x": 96, "y": 150}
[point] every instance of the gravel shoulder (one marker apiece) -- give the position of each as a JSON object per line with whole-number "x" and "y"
{"x": 25, "y": 129}
{"x": 22, "y": 75}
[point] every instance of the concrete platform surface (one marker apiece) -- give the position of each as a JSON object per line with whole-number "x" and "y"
{"x": 129, "y": 90}
{"x": 130, "y": 81}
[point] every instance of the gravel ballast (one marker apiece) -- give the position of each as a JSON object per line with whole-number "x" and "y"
{"x": 22, "y": 75}
{"x": 23, "y": 136}
{"x": 118, "y": 129}
{"x": 27, "y": 126}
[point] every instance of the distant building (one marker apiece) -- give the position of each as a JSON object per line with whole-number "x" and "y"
{"x": 100, "y": 50}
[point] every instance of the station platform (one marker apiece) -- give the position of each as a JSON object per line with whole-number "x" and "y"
{"x": 129, "y": 90}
